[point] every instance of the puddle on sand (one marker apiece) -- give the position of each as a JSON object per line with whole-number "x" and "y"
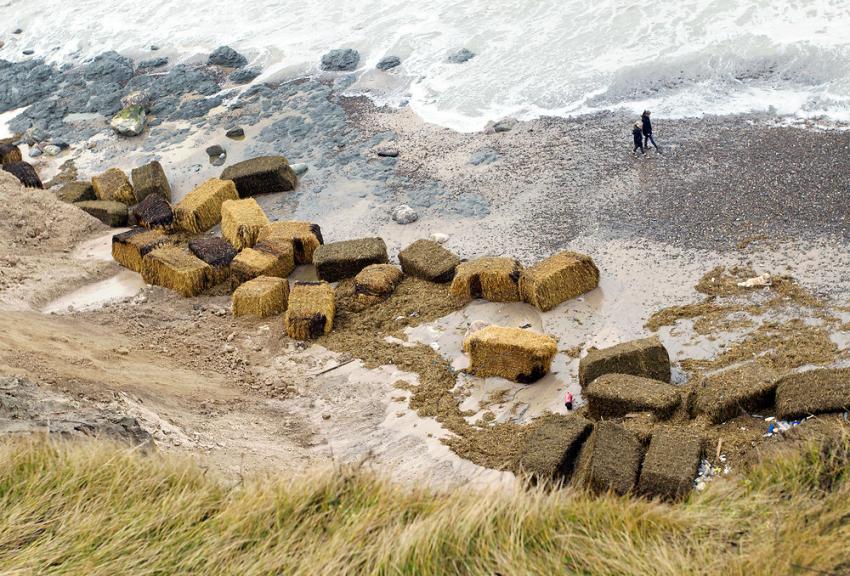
{"x": 123, "y": 285}
{"x": 99, "y": 248}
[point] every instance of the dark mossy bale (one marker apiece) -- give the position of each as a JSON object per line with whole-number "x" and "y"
{"x": 154, "y": 212}
{"x": 150, "y": 179}
{"x": 10, "y": 153}
{"x": 262, "y": 175}
{"x": 646, "y": 357}
{"x": 550, "y": 451}
{"x": 813, "y": 392}
{"x": 613, "y": 459}
{"x": 129, "y": 248}
{"x": 25, "y": 174}
{"x": 615, "y": 395}
{"x": 76, "y": 192}
{"x": 214, "y": 251}
{"x": 724, "y": 395}
{"x": 109, "y": 212}
{"x": 671, "y": 464}
{"x": 345, "y": 259}
{"x": 428, "y": 260}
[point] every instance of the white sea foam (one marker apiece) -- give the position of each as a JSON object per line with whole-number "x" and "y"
{"x": 555, "y": 57}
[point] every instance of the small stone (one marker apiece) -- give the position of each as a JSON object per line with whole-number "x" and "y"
{"x": 123, "y": 351}
{"x": 300, "y": 169}
{"x": 35, "y": 152}
{"x": 439, "y": 237}
{"x": 341, "y": 60}
{"x": 388, "y": 62}
{"x": 326, "y": 416}
{"x": 460, "y": 56}
{"x": 136, "y": 98}
{"x": 215, "y": 150}
{"x": 505, "y": 125}
{"x": 17, "y": 31}
{"x": 404, "y": 214}
{"x": 387, "y": 152}
{"x": 130, "y": 121}
{"x": 52, "y": 150}
{"x": 235, "y": 133}
{"x": 154, "y": 47}
{"x": 229, "y": 348}
{"x": 28, "y": 52}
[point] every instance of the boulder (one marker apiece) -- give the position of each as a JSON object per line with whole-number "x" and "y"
{"x": 646, "y": 357}
{"x": 404, "y": 214}
{"x": 813, "y": 392}
{"x": 109, "y": 212}
{"x": 549, "y": 453}
{"x": 511, "y": 353}
{"x": 114, "y": 185}
{"x": 558, "y": 279}
{"x": 226, "y": 56}
{"x": 428, "y": 260}
{"x": 388, "y": 62}
{"x": 261, "y": 175}
{"x": 724, "y": 395}
{"x": 76, "y": 192}
{"x": 493, "y": 279}
{"x": 25, "y": 173}
{"x": 130, "y": 121}
{"x": 341, "y": 60}
{"x": 671, "y": 464}
{"x": 615, "y": 395}
{"x": 345, "y": 259}
{"x": 244, "y": 75}
{"x": 311, "y": 310}
{"x": 613, "y": 459}
{"x": 157, "y": 62}
{"x": 150, "y": 179}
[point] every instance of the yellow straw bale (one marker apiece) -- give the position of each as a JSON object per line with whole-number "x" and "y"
{"x": 241, "y": 222}
{"x": 376, "y": 283}
{"x": 114, "y": 185}
{"x": 263, "y": 296}
{"x": 200, "y": 209}
{"x": 311, "y": 310}
{"x": 513, "y": 353}
{"x": 129, "y": 248}
{"x": 251, "y": 263}
{"x": 557, "y": 279}
{"x": 494, "y": 279}
{"x": 305, "y": 237}
{"x": 178, "y": 269}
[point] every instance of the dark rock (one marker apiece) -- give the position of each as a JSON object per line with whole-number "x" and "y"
{"x": 227, "y": 56}
{"x": 235, "y": 133}
{"x": 341, "y": 60}
{"x": 28, "y": 52}
{"x": 387, "y": 152}
{"x": 154, "y": 47}
{"x": 109, "y": 66}
{"x": 388, "y": 62}
{"x": 460, "y": 56}
{"x": 505, "y": 125}
{"x": 17, "y": 31}
{"x": 153, "y": 63}
{"x": 244, "y": 75}
{"x": 215, "y": 150}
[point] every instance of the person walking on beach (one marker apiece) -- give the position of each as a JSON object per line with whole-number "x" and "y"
{"x": 637, "y": 134}
{"x": 646, "y": 125}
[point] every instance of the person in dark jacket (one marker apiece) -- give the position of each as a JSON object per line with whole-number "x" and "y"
{"x": 647, "y": 130}
{"x": 638, "y": 137}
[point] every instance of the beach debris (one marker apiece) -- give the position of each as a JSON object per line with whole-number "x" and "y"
{"x": 25, "y": 173}
{"x": 340, "y": 60}
{"x": 130, "y": 121}
{"x": 345, "y": 259}
{"x": 708, "y": 472}
{"x": 114, "y": 185}
{"x": 311, "y": 310}
{"x": 671, "y": 464}
{"x": 263, "y": 296}
{"x": 557, "y": 279}
{"x": 304, "y": 237}
{"x": 404, "y": 214}
{"x": 154, "y": 212}
{"x": 780, "y": 426}
{"x": 439, "y": 237}
{"x": 460, "y": 56}
{"x": 388, "y": 63}
{"x": 177, "y": 269}
{"x": 428, "y": 260}
{"x": 129, "y": 248}
{"x": 241, "y": 222}
{"x": 251, "y": 263}
{"x": 244, "y": 75}
{"x": 646, "y": 357}
{"x": 550, "y": 451}
{"x": 78, "y": 191}
{"x": 512, "y": 353}
{"x": 215, "y": 251}
{"x": 200, "y": 209}
{"x": 10, "y": 153}
{"x": 613, "y": 460}
{"x": 110, "y": 212}
{"x": 300, "y": 169}
{"x": 376, "y": 283}
{"x": 227, "y": 57}
{"x": 812, "y": 392}
{"x": 261, "y": 175}
{"x": 235, "y": 133}
{"x": 756, "y": 282}
{"x": 615, "y": 395}
{"x": 150, "y": 179}
{"x": 493, "y": 278}
{"x": 726, "y": 394}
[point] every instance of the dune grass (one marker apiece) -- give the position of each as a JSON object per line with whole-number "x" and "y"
{"x": 94, "y": 508}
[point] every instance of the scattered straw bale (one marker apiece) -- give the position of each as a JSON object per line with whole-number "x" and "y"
{"x": 73, "y": 192}
{"x": 428, "y": 260}
{"x": 614, "y": 457}
{"x": 251, "y": 263}
{"x": 550, "y": 452}
{"x": 557, "y": 279}
{"x": 10, "y": 153}
{"x": 25, "y": 174}
{"x": 646, "y": 357}
{"x": 724, "y": 395}
{"x": 263, "y": 296}
{"x": 376, "y": 283}
{"x": 671, "y": 464}
{"x": 217, "y": 252}
{"x": 262, "y": 175}
{"x": 614, "y": 395}
{"x": 114, "y": 185}
{"x": 200, "y": 209}
{"x": 813, "y": 392}
{"x": 111, "y": 213}
{"x": 512, "y": 353}
{"x": 339, "y": 260}
{"x": 150, "y": 179}
{"x": 129, "y": 248}
{"x": 311, "y": 310}
{"x": 177, "y": 269}
{"x": 154, "y": 212}
{"x": 241, "y": 222}
{"x": 304, "y": 236}
{"x": 494, "y": 279}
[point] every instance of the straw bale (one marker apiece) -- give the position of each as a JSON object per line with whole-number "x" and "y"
{"x": 550, "y": 452}
{"x": 428, "y": 260}
{"x": 376, "y": 283}
{"x": 513, "y": 353}
{"x": 10, "y": 153}
{"x": 251, "y": 263}
{"x": 216, "y": 252}
{"x": 200, "y": 209}
{"x": 646, "y": 357}
{"x": 613, "y": 460}
{"x": 813, "y": 392}
{"x": 25, "y": 174}
{"x": 177, "y": 269}
{"x": 724, "y": 395}
{"x": 150, "y": 179}
{"x": 339, "y": 260}
{"x": 671, "y": 464}
{"x": 614, "y": 395}
{"x": 263, "y": 296}
{"x": 311, "y": 310}
{"x": 241, "y": 222}
{"x": 114, "y": 185}
{"x": 129, "y": 248}
{"x": 73, "y": 192}
{"x": 304, "y": 236}
{"x": 154, "y": 212}
{"x": 111, "y": 213}
{"x": 262, "y": 175}
{"x": 494, "y": 279}
{"x": 557, "y": 279}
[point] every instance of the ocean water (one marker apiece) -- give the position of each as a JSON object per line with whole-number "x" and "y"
{"x": 533, "y": 57}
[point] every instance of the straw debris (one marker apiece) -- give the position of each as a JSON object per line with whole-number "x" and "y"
{"x": 129, "y": 248}
{"x": 345, "y": 259}
{"x": 376, "y": 283}
{"x": 512, "y": 353}
{"x": 150, "y": 179}
{"x": 242, "y": 221}
{"x": 177, "y": 269}
{"x": 262, "y": 175}
{"x": 111, "y": 213}
{"x": 114, "y": 185}
{"x": 263, "y": 296}
{"x": 25, "y": 174}
{"x": 428, "y": 260}
{"x": 251, "y": 263}
{"x": 493, "y": 279}
{"x": 305, "y": 237}
{"x": 311, "y": 310}
{"x": 200, "y": 209}
{"x": 154, "y": 212}
{"x": 557, "y": 279}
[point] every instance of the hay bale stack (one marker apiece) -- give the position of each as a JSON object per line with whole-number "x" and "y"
{"x": 154, "y": 212}
{"x": 10, "y": 153}
{"x": 512, "y": 353}
{"x": 724, "y": 395}
{"x": 262, "y": 175}
{"x": 339, "y": 260}
{"x": 114, "y": 185}
{"x": 376, "y": 283}
{"x": 494, "y": 279}
{"x": 549, "y": 453}
{"x": 150, "y": 179}
{"x": 557, "y": 279}
{"x": 25, "y": 174}
{"x": 177, "y": 269}
{"x": 263, "y": 296}
{"x": 111, "y": 213}
{"x": 129, "y": 248}
{"x": 74, "y": 192}
{"x": 251, "y": 263}
{"x": 200, "y": 210}
{"x": 216, "y": 252}
{"x": 813, "y": 392}
{"x": 311, "y": 310}
{"x": 428, "y": 260}
{"x": 671, "y": 464}
{"x": 614, "y": 458}
{"x": 615, "y": 395}
{"x": 241, "y": 222}
{"x": 646, "y": 357}
{"x": 305, "y": 237}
